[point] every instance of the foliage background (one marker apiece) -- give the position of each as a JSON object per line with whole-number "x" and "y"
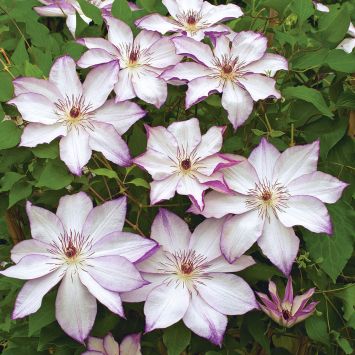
{"x": 318, "y": 102}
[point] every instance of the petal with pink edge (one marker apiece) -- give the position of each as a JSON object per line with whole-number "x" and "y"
{"x": 222, "y": 265}
{"x": 75, "y": 150}
{"x": 106, "y": 219}
{"x": 259, "y": 86}
{"x": 228, "y": 294}
{"x": 170, "y": 231}
{"x": 29, "y": 247}
{"x": 73, "y": 211}
{"x": 131, "y": 345}
{"x": 161, "y": 309}
{"x": 45, "y": 225}
{"x": 38, "y": 133}
{"x": 306, "y": 211}
{"x": 146, "y": 39}
{"x": 75, "y": 307}
{"x": 190, "y": 186}
{"x": 119, "y": 33}
{"x": 268, "y": 65}
{"x": 295, "y": 162}
{"x": 239, "y": 233}
{"x": 121, "y": 115}
{"x": 95, "y": 56}
{"x": 188, "y": 5}
{"x": 238, "y": 103}
{"x": 213, "y": 14}
{"x": 279, "y": 244}
{"x": 323, "y": 186}
{"x": 105, "y": 139}
{"x": 30, "y": 297}
{"x": 186, "y": 71}
{"x": 124, "y": 88}
{"x": 205, "y": 321}
{"x": 163, "y": 54}
{"x": 161, "y": 140}
{"x": 156, "y": 22}
{"x": 111, "y": 300}
{"x": 172, "y": 7}
{"x": 210, "y": 143}
{"x": 64, "y": 76}
{"x": 163, "y": 189}
{"x": 99, "y": 43}
{"x": 111, "y": 346}
{"x": 49, "y": 11}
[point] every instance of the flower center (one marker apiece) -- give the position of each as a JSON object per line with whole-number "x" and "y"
{"x": 133, "y": 56}
{"x": 74, "y": 112}
{"x": 187, "y": 267}
{"x": 70, "y": 250}
{"x": 267, "y": 197}
{"x": 191, "y": 20}
{"x": 227, "y": 69}
{"x": 186, "y": 164}
{"x": 286, "y": 314}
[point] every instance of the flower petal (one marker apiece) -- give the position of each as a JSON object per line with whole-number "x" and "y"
{"x": 106, "y": 219}
{"x": 268, "y": 65}
{"x": 263, "y": 158}
{"x": 190, "y": 186}
{"x": 237, "y": 102}
{"x": 172, "y": 7}
{"x": 105, "y": 139}
{"x": 211, "y": 142}
{"x": 213, "y": 14}
{"x": 75, "y": 150}
{"x": 228, "y": 294}
{"x": 35, "y": 108}
{"x": 95, "y": 56}
{"x": 201, "y": 88}
{"x": 163, "y": 54}
{"x": 119, "y": 33}
{"x": 149, "y": 88}
{"x": 205, "y": 239}
{"x": 38, "y": 133}
{"x": 156, "y": 22}
{"x": 306, "y": 211}
{"x": 186, "y": 71}
{"x": 131, "y": 345}
{"x": 189, "y": 5}
{"x": 240, "y": 233}
{"x": 259, "y": 86}
{"x": 170, "y": 231}
{"x": 347, "y": 45}
{"x": 98, "y": 43}
{"x": 115, "y": 273}
{"x": 30, "y": 267}
{"x": 95, "y": 344}
{"x": 161, "y": 308}
{"x": 222, "y": 265}
{"x": 24, "y": 85}
{"x": 288, "y": 297}
{"x": 73, "y": 211}
{"x": 145, "y": 39}
{"x": 75, "y": 307}
{"x": 30, "y": 297}
{"x": 124, "y": 88}
{"x": 121, "y": 115}
{"x": 64, "y": 76}
{"x": 161, "y": 140}
{"x": 187, "y": 134}
{"x": 295, "y": 162}
{"x": 131, "y": 246}
{"x": 249, "y": 46}
{"x": 205, "y": 320}
{"x": 198, "y": 51}
{"x": 49, "y": 11}
{"x": 163, "y": 189}
{"x": 29, "y": 247}
{"x": 111, "y": 300}
{"x": 323, "y": 186}
{"x": 45, "y": 225}
{"x": 99, "y": 83}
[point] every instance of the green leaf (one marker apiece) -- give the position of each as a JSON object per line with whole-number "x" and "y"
{"x": 176, "y": 338}
{"x": 258, "y": 132}
{"x": 303, "y": 9}
{"x": 105, "y": 172}
{"x": 20, "y": 54}
{"x": 55, "y": 175}
{"x": 316, "y": 328}
{"x": 341, "y": 61}
{"x": 257, "y": 328}
{"x": 19, "y": 191}
{"x": 9, "y": 134}
{"x": 33, "y": 70}
{"x": 275, "y": 134}
{"x": 309, "y": 60}
{"x": 47, "y": 151}
{"x": 139, "y": 182}
{"x": 309, "y": 95}
{"x": 6, "y": 87}
{"x": 337, "y": 249}
{"x": 348, "y": 297}
{"x": 122, "y": 11}
{"x": 343, "y": 343}
{"x": 9, "y": 179}
{"x": 91, "y": 11}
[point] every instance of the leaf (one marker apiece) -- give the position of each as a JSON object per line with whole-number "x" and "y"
{"x": 275, "y": 134}
{"x": 55, "y": 175}
{"x": 9, "y": 134}
{"x": 139, "y": 182}
{"x": 337, "y": 249}
{"x": 303, "y": 9}
{"x": 309, "y": 95}
{"x": 105, "y": 172}
{"x": 122, "y": 11}
{"x": 341, "y": 61}
{"x": 342, "y": 342}
{"x": 50, "y": 151}
{"x": 91, "y": 11}
{"x": 33, "y": 70}
{"x": 309, "y": 60}
{"x": 348, "y": 296}
{"x": 316, "y": 328}
{"x": 176, "y": 338}
{"x": 19, "y": 191}
{"x": 9, "y": 179}
{"x": 257, "y": 328}
{"x": 6, "y": 87}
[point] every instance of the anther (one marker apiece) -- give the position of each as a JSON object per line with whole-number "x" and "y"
{"x": 186, "y": 164}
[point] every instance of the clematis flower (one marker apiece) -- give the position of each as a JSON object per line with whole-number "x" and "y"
{"x": 80, "y": 114}
{"x": 193, "y": 18}
{"x": 141, "y": 60}
{"x": 320, "y": 7}
{"x": 108, "y": 345}
{"x": 291, "y": 310}
{"x": 69, "y": 9}
{"x": 348, "y": 44}
{"x": 180, "y": 159}
{"x": 191, "y": 280}
{"x": 273, "y": 193}
{"x": 240, "y": 70}
{"x": 85, "y": 249}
